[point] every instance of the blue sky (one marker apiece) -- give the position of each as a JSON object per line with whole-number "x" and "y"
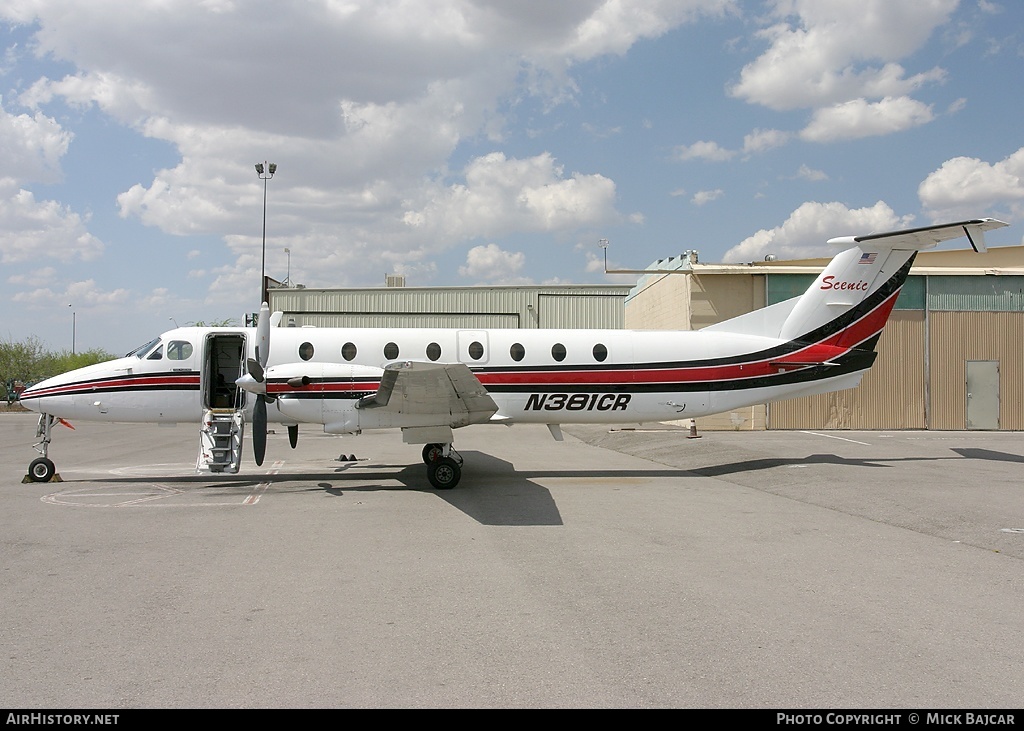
{"x": 474, "y": 142}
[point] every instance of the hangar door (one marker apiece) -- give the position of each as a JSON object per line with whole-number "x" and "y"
{"x": 581, "y": 311}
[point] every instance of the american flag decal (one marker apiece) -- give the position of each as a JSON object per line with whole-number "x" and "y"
{"x": 868, "y": 258}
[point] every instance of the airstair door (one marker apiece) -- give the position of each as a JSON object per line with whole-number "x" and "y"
{"x": 223, "y": 425}
{"x": 223, "y": 364}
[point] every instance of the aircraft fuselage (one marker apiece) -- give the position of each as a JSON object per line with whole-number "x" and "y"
{"x": 534, "y": 376}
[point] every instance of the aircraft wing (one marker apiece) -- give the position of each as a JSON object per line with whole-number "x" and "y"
{"x": 447, "y": 390}
{"x": 926, "y": 236}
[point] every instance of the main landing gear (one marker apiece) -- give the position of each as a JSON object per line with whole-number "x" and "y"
{"x": 42, "y": 468}
{"x": 444, "y": 465}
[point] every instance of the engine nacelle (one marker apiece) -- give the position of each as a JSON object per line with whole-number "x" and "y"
{"x": 324, "y": 393}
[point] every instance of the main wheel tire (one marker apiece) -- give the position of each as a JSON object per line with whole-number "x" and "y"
{"x": 444, "y": 473}
{"x": 432, "y": 452}
{"x": 41, "y": 470}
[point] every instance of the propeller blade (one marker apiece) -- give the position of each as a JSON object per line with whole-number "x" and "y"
{"x": 255, "y": 369}
{"x": 263, "y": 335}
{"x": 259, "y": 430}
{"x": 293, "y": 435}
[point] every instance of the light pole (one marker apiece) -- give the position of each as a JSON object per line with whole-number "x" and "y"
{"x": 74, "y": 326}
{"x": 265, "y": 171}
{"x": 288, "y": 277}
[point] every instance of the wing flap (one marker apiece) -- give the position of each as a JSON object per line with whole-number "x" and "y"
{"x": 419, "y": 389}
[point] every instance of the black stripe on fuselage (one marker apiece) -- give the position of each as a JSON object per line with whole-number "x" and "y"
{"x": 118, "y": 384}
{"x": 851, "y": 362}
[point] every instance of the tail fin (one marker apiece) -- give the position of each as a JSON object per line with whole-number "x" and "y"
{"x": 851, "y": 299}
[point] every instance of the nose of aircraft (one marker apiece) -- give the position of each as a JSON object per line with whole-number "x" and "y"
{"x": 32, "y": 398}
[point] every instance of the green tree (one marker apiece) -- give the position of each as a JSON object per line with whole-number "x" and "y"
{"x": 29, "y": 361}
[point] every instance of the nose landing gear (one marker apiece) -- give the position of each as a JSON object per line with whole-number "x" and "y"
{"x": 42, "y": 468}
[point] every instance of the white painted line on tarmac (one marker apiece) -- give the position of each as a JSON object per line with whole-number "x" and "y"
{"x": 833, "y": 436}
{"x": 261, "y": 488}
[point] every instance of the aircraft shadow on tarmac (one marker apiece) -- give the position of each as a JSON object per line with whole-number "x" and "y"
{"x": 832, "y": 459}
{"x": 494, "y": 492}
{"x": 988, "y": 454}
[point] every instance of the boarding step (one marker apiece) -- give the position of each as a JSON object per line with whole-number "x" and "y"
{"x": 220, "y": 441}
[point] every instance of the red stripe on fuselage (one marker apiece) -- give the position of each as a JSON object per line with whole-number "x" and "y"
{"x": 153, "y": 382}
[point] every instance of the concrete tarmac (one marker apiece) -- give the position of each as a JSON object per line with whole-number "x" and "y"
{"x": 619, "y": 568}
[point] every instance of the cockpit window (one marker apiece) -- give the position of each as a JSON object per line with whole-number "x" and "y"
{"x": 179, "y": 350}
{"x": 157, "y": 353}
{"x": 141, "y": 351}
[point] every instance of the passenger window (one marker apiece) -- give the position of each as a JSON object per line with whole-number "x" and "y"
{"x": 558, "y": 352}
{"x": 433, "y": 351}
{"x": 391, "y": 351}
{"x": 306, "y": 351}
{"x": 156, "y": 354}
{"x": 476, "y": 350}
{"x": 600, "y": 353}
{"x": 517, "y": 351}
{"x": 179, "y": 350}
{"x": 348, "y": 351}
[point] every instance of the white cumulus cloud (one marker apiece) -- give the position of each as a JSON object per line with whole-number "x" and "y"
{"x": 825, "y": 52}
{"x": 805, "y": 233}
{"x": 492, "y": 264}
{"x": 860, "y": 118}
{"x": 500, "y": 195}
{"x": 966, "y": 187}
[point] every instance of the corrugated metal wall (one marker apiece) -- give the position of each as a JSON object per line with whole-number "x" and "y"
{"x": 574, "y": 311}
{"x": 976, "y": 294}
{"x": 890, "y": 396}
{"x": 977, "y": 336}
{"x": 409, "y": 319}
{"x": 969, "y": 318}
{"x": 568, "y": 306}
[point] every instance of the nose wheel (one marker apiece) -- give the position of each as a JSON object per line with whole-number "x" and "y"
{"x": 41, "y": 470}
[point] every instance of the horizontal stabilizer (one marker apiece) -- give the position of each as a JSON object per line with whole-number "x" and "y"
{"x": 915, "y": 239}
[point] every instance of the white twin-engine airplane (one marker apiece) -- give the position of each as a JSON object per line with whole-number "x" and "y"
{"x": 428, "y": 382}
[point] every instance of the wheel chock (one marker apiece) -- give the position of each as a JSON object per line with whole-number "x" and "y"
{"x": 56, "y": 478}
